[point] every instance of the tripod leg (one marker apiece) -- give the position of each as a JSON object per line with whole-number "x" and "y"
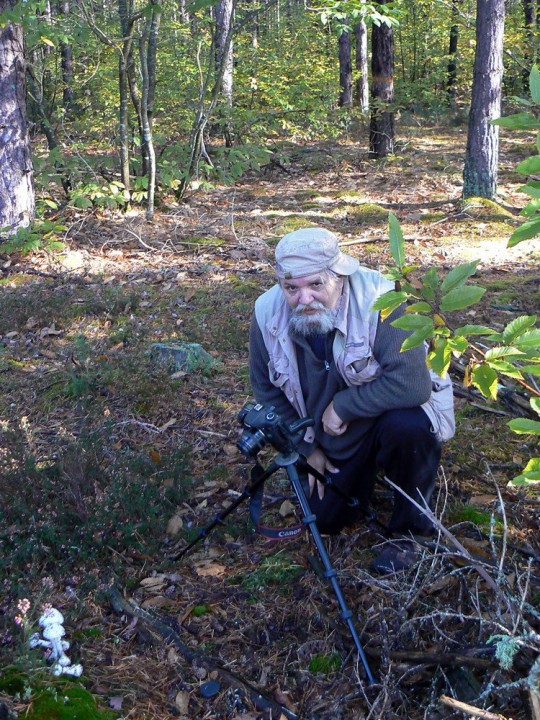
{"x": 330, "y": 572}
{"x": 218, "y": 520}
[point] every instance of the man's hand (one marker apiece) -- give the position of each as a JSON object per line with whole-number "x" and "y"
{"x": 332, "y": 423}
{"x": 319, "y": 462}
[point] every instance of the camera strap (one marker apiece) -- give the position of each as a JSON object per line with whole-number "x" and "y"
{"x": 255, "y": 507}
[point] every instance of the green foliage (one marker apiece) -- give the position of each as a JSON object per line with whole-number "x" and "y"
{"x": 280, "y": 569}
{"x": 513, "y": 352}
{"x": 113, "y": 500}
{"x": 530, "y": 166}
{"x": 108, "y": 194}
{"x": 326, "y": 664}
{"x": 39, "y": 235}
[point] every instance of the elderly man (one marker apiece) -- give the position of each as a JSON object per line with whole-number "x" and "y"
{"x": 318, "y": 350}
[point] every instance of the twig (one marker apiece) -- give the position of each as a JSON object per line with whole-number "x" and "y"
{"x": 121, "y": 605}
{"x": 470, "y": 709}
{"x": 453, "y": 539}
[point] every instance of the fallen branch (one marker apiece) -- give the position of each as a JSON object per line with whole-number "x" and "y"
{"x": 424, "y": 658}
{"x": 470, "y": 709}
{"x": 121, "y": 605}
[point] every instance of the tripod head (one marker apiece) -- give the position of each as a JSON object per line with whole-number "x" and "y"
{"x": 263, "y": 425}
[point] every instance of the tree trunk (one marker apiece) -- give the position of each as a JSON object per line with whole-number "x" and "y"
{"x": 361, "y": 57}
{"x": 148, "y": 51}
{"x": 381, "y": 131}
{"x": 224, "y": 49}
{"x": 66, "y": 60}
{"x": 345, "y": 70}
{"x": 16, "y": 176}
{"x": 528, "y": 11}
{"x": 482, "y": 154}
{"x": 452, "y": 54}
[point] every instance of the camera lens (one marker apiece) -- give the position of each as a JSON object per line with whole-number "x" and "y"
{"x": 250, "y": 443}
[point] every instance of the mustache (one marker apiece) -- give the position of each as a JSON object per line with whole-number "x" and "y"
{"x": 315, "y": 305}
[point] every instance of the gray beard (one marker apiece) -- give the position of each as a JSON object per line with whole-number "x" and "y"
{"x": 306, "y": 325}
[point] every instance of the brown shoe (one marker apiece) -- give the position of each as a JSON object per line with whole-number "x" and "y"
{"x": 396, "y": 555}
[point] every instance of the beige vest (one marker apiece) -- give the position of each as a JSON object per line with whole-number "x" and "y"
{"x": 356, "y": 326}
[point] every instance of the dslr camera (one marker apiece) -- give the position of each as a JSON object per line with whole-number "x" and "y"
{"x": 263, "y": 425}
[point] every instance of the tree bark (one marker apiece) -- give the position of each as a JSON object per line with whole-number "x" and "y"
{"x": 381, "y": 131}
{"x": 482, "y": 154}
{"x": 528, "y": 12}
{"x": 16, "y": 175}
{"x": 148, "y": 51}
{"x": 66, "y": 61}
{"x": 452, "y": 54}
{"x": 361, "y": 58}
{"x": 345, "y": 70}
{"x": 224, "y": 49}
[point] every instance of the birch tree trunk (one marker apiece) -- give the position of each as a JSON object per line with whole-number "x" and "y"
{"x": 361, "y": 61}
{"x": 224, "y": 49}
{"x": 482, "y": 154}
{"x": 16, "y": 175}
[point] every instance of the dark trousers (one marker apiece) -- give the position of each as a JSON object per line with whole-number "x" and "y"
{"x": 401, "y": 445}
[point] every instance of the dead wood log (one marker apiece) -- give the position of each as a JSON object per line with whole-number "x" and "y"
{"x": 425, "y": 658}
{"x": 470, "y": 709}
{"x": 121, "y": 605}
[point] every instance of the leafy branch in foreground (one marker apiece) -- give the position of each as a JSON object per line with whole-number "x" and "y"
{"x": 513, "y": 352}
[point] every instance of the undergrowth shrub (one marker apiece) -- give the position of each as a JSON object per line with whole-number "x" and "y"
{"x": 76, "y": 510}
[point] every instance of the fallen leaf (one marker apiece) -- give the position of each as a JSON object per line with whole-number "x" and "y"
{"x": 482, "y": 499}
{"x": 157, "y": 601}
{"x": 116, "y": 702}
{"x": 154, "y": 583}
{"x": 182, "y": 701}
{"x": 174, "y": 525}
{"x": 210, "y": 569}
{"x": 167, "y": 425}
{"x": 189, "y": 294}
{"x": 156, "y": 457}
{"x": 286, "y": 508}
{"x": 230, "y": 449}
{"x": 11, "y": 334}
{"x": 31, "y": 323}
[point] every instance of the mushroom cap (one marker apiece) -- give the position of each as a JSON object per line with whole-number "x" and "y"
{"x": 53, "y": 632}
{"x": 51, "y": 615}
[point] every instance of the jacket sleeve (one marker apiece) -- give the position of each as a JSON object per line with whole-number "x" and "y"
{"x": 263, "y": 390}
{"x": 404, "y": 380}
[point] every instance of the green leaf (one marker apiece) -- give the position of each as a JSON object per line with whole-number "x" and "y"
{"x": 461, "y": 297}
{"x": 531, "y": 190}
{"x": 417, "y": 338}
{"x": 439, "y": 358}
{"x": 397, "y": 244}
{"x": 530, "y": 339}
{"x": 421, "y": 307}
{"x": 529, "y": 166}
{"x": 519, "y": 121}
{"x": 388, "y": 302}
{"x": 412, "y": 322}
{"x": 458, "y": 344}
{"x": 458, "y": 275}
{"x": 485, "y": 379}
{"x": 534, "y": 84}
{"x": 531, "y": 369}
{"x": 506, "y": 368}
{"x": 474, "y": 330}
{"x": 525, "y": 426}
{"x": 517, "y": 327}
{"x": 526, "y": 231}
{"x": 503, "y": 351}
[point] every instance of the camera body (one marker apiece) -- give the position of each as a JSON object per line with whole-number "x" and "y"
{"x": 264, "y": 425}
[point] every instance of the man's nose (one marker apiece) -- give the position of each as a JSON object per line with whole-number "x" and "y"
{"x": 306, "y": 296}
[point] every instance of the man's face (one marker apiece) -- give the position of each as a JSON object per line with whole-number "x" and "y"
{"x": 313, "y": 300}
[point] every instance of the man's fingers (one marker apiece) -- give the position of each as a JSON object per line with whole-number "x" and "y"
{"x": 320, "y": 489}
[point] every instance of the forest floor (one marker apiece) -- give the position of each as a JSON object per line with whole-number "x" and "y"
{"x": 111, "y": 460}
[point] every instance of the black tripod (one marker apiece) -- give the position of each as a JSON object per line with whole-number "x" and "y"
{"x": 290, "y": 460}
